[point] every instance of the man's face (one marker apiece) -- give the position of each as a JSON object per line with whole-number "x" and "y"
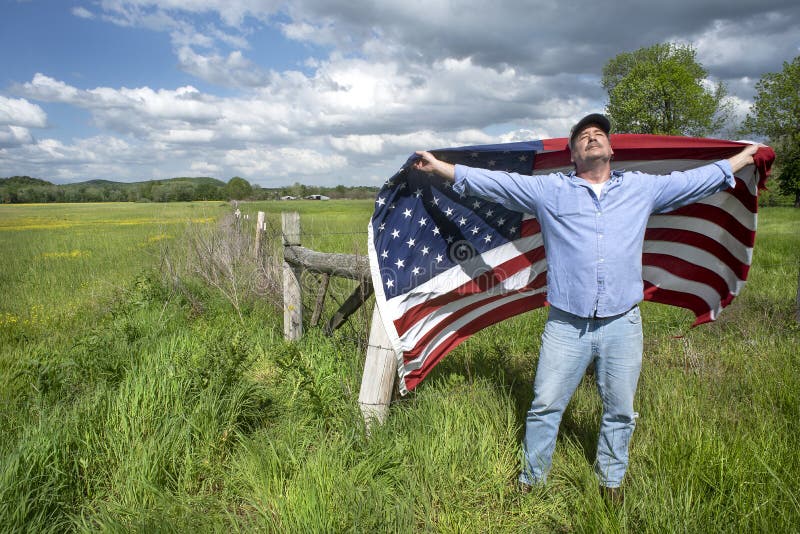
{"x": 589, "y": 146}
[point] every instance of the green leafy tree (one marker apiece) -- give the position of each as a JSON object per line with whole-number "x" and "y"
{"x": 239, "y": 188}
{"x": 662, "y": 89}
{"x": 776, "y": 115}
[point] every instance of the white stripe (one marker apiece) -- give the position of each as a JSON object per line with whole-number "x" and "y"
{"x": 464, "y": 321}
{"x": 459, "y": 275}
{"x": 666, "y": 280}
{"x": 701, "y": 226}
{"x": 733, "y": 207}
{"x": 699, "y": 257}
{"x": 440, "y": 315}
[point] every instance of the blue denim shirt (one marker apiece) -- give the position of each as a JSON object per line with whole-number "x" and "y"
{"x": 594, "y": 245}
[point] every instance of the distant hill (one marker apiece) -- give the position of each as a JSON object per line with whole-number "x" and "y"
{"x": 22, "y": 181}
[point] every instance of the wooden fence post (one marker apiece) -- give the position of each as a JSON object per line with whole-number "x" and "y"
{"x": 292, "y": 297}
{"x": 260, "y": 227}
{"x": 380, "y": 370}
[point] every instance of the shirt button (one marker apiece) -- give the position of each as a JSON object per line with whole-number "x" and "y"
{"x": 602, "y": 260}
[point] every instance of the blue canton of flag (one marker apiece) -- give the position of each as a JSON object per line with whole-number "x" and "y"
{"x": 422, "y": 228}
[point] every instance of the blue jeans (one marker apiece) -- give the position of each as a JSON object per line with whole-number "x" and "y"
{"x": 569, "y": 344}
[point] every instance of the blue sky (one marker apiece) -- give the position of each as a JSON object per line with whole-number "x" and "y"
{"x": 330, "y": 91}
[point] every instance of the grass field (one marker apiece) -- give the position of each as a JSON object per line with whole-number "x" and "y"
{"x": 127, "y": 406}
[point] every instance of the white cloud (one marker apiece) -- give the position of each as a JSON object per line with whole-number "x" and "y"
{"x": 283, "y": 162}
{"x": 13, "y": 136}
{"x": 20, "y": 112}
{"x": 82, "y": 12}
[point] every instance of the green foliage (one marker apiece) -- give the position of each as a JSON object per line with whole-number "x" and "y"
{"x": 776, "y": 115}
{"x": 238, "y": 188}
{"x": 660, "y": 90}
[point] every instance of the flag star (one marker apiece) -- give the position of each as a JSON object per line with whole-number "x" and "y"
{"x": 418, "y": 193}
{"x": 410, "y": 242}
{"x": 415, "y": 270}
{"x": 462, "y": 194}
{"x": 389, "y": 282}
{"x": 523, "y": 158}
{"x": 462, "y": 221}
{"x": 435, "y": 230}
{"x": 395, "y": 233}
{"x": 400, "y": 264}
{"x": 402, "y": 186}
{"x": 381, "y": 201}
{"x": 487, "y": 238}
{"x": 476, "y": 205}
{"x": 423, "y": 221}
{"x": 513, "y": 229}
{"x": 391, "y": 206}
{"x": 448, "y": 211}
{"x": 474, "y": 154}
{"x": 448, "y": 185}
{"x": 390, "y": 183}
{"x": 385, "y": 254}
{"x": 435, "y": 201}
{"x": 492, "y": 163}
{"x": 407, "y": 213}
{"x": 475, "y": 230}
{"x": 382, "y": 227}
{"x": 449, "y": 239}
{"x": 501, "y": 221}
{"x": 425, "y": 251}
{"x": 439, "y": 258}
{"x": 489, "y": 213}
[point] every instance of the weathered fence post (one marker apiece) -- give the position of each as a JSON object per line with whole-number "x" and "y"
{"x": 380, "y": 370}
{"x": 292, "y": 297}
{"x": 260, "y": 227}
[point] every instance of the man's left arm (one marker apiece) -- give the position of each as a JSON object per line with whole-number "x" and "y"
{"x": 685, "y": 187}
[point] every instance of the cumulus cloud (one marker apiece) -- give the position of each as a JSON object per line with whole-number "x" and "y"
{"x": 82, "y": 12}
{"x": 20, "y": 112}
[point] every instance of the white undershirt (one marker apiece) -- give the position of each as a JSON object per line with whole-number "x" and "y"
{"x": 597, "y": 188}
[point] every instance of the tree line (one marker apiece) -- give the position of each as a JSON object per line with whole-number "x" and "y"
{"x": 25, "y": 189}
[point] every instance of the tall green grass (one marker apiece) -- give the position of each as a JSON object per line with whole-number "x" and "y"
{"x": 124, "y": 407}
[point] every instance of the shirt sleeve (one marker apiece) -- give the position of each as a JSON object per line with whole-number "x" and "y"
{"x": 671, "y": 191}
{"x": 515, "y": 191}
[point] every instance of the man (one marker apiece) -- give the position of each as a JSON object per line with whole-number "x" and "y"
{"x": 593, "y": 223}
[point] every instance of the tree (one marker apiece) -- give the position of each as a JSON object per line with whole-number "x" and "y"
{"x": 776, "y": 114}
{"x": 662, "y": 89}
{"x": 239, "y": 188}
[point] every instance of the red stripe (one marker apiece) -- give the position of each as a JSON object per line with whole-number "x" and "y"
{"x": 638, "y": 147}
{"x": 480, "y": 284}
{"x": 742, "y": 193}
{"x": 719, "y": 217}
{"x": 691, "y": 302}
{"x": 688, "y": 271}
{"x": 423, "y": 341}
{"x": 529, "y": 227}
{"x": 462, "y": 334}
{"x": 702, "y": 242}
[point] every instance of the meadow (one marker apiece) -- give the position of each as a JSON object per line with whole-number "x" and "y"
{"x": 135, "y": 398}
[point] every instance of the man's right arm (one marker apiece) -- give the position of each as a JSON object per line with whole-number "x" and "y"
{"x": 427, "y": 162}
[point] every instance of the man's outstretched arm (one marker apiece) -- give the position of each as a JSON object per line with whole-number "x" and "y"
{"x": 427, "y": 162}
{"x": 743, "y": 158}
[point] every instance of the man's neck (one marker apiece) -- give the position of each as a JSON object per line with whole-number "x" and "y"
{"x": 596, "y": 174}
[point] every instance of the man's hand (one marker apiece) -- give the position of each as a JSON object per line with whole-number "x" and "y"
{"x": 744, "y": 158}
{"x": 427, "y": 162}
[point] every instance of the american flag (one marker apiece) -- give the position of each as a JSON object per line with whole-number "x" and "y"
{"x": 446, "y": 265}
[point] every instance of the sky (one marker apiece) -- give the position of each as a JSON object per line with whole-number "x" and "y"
{"x": 329, "y": 92}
